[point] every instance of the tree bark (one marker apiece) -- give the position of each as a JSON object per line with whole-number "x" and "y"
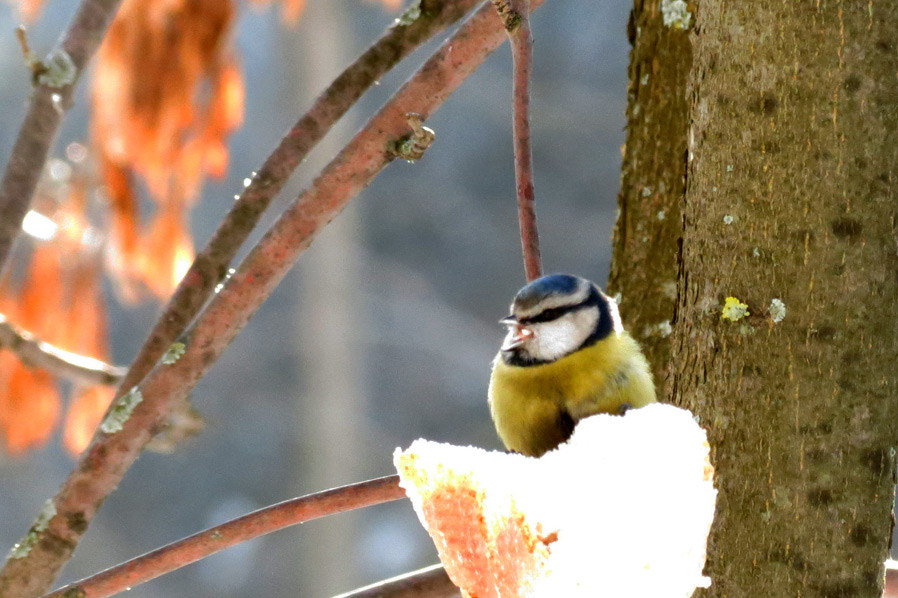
{"x": 653, "y": 181}
{"x": 791, "y": 195}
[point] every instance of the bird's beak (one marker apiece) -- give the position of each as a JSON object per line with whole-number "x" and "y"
{"x": 518, "y": 334}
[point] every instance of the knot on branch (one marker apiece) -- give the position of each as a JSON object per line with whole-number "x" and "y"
{"x": 412, "y": 147}
{"x": 412, "y": 14}
{"x": 75, "y": 592}
{"x": 58, "y": 70}
{"x": 510, "y": 17}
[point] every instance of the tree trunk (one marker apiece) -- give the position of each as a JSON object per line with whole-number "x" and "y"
{"x": 330, "y": 328}
{"x": 792, "y": 161}
{"x": 644, "y": 261}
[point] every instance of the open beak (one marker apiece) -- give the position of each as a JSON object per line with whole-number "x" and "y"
{"x": 518, "y": 334}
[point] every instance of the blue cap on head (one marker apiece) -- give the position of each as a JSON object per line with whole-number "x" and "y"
{"x": 552, "y": 284}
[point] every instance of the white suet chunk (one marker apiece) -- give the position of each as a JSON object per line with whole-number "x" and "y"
{"x": 622, "y": 509}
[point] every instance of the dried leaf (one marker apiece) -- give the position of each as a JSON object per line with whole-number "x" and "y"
{"x": 168, "y": 251}
{"x": 166, "y": 95}
{"x": 39, "y": 308}
{"x": 30, "y": 9}
{"x": 29, "y": 405}
{"x": 292, "y": 10}
{"x": 60, "y": 302}
{"x": 123, "y": 244}
{"x": 85, "y": 412}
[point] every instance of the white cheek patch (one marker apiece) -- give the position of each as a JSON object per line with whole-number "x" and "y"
{"x": 557, "y": 338}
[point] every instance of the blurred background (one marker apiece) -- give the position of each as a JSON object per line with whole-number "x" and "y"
{"x": 384, "y": 331}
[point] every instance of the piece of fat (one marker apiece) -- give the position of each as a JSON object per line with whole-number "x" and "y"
{"x": 622, "y": 509}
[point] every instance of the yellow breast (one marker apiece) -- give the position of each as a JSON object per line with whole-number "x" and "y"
{"x": 530, "y": 405}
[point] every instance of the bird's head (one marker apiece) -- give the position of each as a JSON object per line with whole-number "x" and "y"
{"x": 554, "y": 316}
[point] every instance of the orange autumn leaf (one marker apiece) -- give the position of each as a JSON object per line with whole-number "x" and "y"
{"x": 169, "y": 251}
{"x": 71, "y": 218}
{"x": 225, "y": 115}
{"x": 84, "y": 330}
{"x": 29, "y": 405}
{"x": 39, "y": 306}
{"x": 122, "y": 242}
{"x": 166, "y": 95}
{"x": 30, "y": 9}
{"x": 29, "y": 399}
{"x": 86, "y": 410}
{"x": 85, "y": 334}
{"x": 150, "y": 67}
{"x": 59, "y": 301}
{"x": 207, "y": 153}
{"x": 291, "y": 10}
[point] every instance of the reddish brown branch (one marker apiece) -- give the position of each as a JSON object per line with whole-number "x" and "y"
{"x": 215, "y": 539}
{"x": 430, "y": 582}
{"x": 516, "y": 16}
{"x": 36, "y": 353}
{"x": 211, "y": 264}
{"x": 522, "y": 54}
{"x": 55, "y": 79}
{"x": 104, "y": 464}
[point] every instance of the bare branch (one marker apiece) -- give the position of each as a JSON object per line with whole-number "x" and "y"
{"x": 54, "y": 78}
{"x": 36, "y": 353}
{"x": 215, "y": 539}
{"x": 430, "y": 582}
{"x": 516, "y": 16}
{"x": 103, "y": 465}
{"x": 522, "y": 54}
{"x": 33, "y": 63}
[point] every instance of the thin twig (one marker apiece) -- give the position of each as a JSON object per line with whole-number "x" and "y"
{"x": 211, "y": 264}
{"x": 516, "y": 16}
{"x": 55, "y": 83}
{"x": 36, "y": 353}
{"x": 430, "y": 582}
{"x": 103, "y": 465}
{"x": 33, "y": 63}
{"x": 215, "y": 539}
{"x": 522, "y": 55}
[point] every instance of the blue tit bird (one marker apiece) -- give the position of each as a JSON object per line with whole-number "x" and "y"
{"x": 566, "y": 357}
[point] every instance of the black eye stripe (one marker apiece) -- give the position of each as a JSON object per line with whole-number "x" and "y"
{"x": 554, "y": 313}
{"x": 550, "y": 314}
